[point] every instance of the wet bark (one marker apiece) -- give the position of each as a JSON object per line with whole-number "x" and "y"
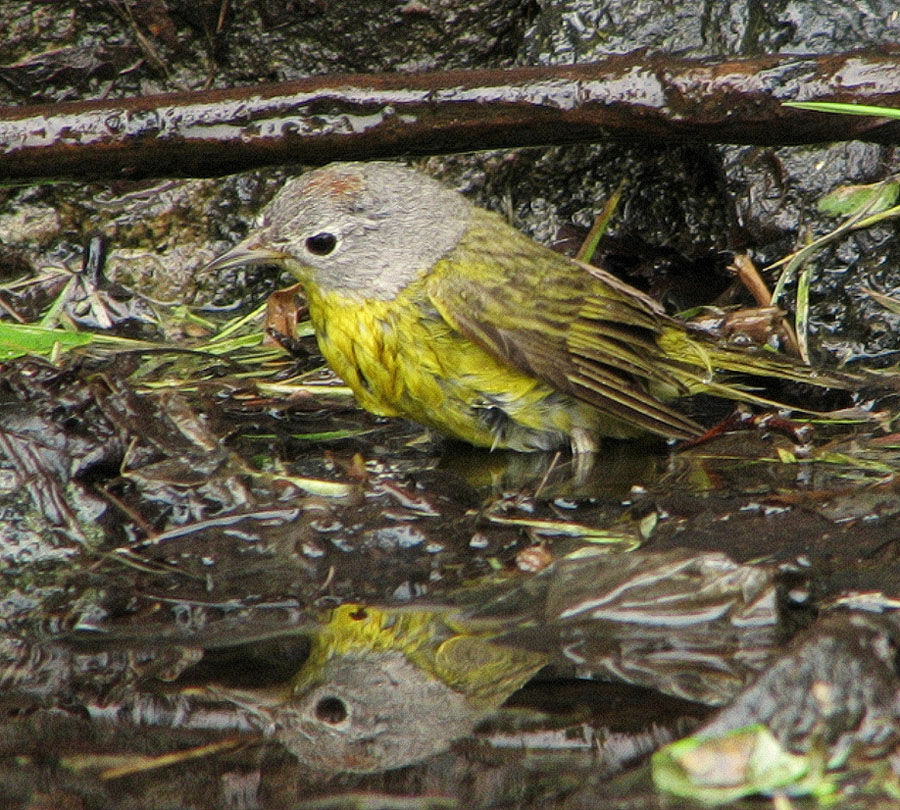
{"x": 635, "y": 97}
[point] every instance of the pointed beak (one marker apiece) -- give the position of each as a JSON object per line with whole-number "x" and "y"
{"x": 250, "y": 251}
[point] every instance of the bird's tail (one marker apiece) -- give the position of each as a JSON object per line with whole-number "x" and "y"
{"x": 707, "y": 367}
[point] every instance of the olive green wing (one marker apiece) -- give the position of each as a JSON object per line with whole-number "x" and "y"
{"x": 575, "y": 327}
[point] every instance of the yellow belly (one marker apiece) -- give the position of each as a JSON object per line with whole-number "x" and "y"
{"x": 401, "y": 358}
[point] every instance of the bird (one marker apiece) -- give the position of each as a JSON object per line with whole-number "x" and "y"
{"x": 432, "y": 308}
{"x": 384, "y": 687}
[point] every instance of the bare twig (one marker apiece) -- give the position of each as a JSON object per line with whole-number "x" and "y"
{"x": 633, "y": 97}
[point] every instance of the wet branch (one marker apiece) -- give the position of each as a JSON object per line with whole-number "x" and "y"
{"x": 635, "y": 97}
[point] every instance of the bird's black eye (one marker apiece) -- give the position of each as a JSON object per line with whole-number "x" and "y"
{"x": 321, "y": 244}
{"x": 331, "y": 710}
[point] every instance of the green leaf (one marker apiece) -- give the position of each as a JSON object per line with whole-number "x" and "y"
{"x": 601, "y": 223}
{"x": 17, "y": 339}
{"x": 853, "y": 199}
{"x": 743, "y": 762}
{"x": 845, "y": 109}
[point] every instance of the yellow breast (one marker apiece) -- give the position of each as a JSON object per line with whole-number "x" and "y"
{"x": 401, "y": 358}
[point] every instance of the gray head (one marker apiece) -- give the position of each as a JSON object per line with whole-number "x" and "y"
{"x": 368, "y": 228}
{"x": 372, "y": 711}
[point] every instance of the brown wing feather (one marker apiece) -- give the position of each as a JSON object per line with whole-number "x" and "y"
{"x": 575, "y": 327}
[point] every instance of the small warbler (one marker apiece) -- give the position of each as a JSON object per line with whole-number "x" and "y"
{"x": 432, "y": 308}
{"x": 385, "y": 687}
